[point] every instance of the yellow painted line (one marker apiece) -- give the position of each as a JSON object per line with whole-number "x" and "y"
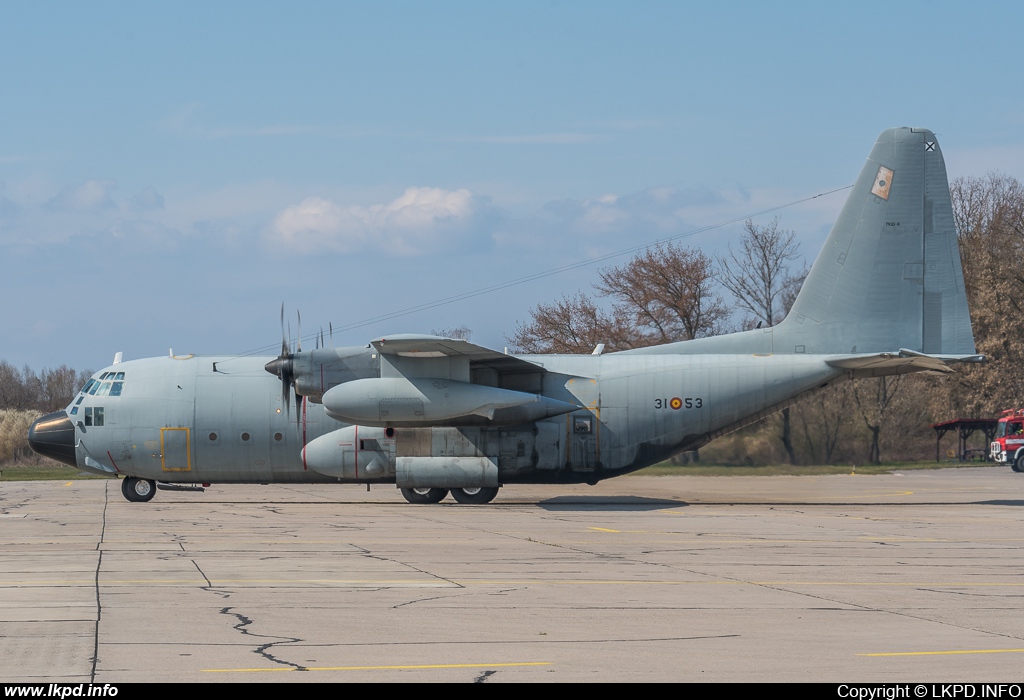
{"x": 377, "y": 668}
{"x": 69, "y": 483}
{"x": 603, "y": 529}
{"x": 948, "y": 653}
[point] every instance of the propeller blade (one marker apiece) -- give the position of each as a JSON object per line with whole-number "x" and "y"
{"x": 283, "y": 365}
{"x": 299, "y": 325}
{"x": 284, "y": 345}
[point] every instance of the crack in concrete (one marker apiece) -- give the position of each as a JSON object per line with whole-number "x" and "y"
{"x": 261, "y": 650}
{"x": 420, "y": 600}
{"x": 410, "y": 566}
{"x": 484, "y": 676}
{"x": 223, "y": 593}
{"x": 99, "y": 605}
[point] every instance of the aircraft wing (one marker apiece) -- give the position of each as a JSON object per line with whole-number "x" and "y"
{"x": 427, "y": 346}
{"x": 912, "y": 360}
{"x": 429, "y": 381}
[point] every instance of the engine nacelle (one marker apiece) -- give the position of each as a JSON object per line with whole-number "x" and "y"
{"x": 356, "y": 452}
{"x": 404, "y": 402}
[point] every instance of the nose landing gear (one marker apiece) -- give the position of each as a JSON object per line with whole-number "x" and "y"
{"x": 138, "y": 490}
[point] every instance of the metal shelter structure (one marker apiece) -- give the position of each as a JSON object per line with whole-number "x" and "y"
{"x": 965, "y": 428}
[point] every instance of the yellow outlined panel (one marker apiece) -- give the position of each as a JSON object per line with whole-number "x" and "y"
{"x": 174, "y": 443}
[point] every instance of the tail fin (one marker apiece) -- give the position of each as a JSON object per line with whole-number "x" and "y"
{"x": 889, "y": 275}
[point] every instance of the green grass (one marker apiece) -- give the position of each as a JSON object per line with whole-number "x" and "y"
{"x": 44, "y": 472}
{"x": 666, "y": 469}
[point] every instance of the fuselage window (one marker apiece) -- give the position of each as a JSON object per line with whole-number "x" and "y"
{"x": 115, "y": 388}
{"x": 120, "y": 376}
{"x": 278, "y": 436}
{"x": 245, "y": 437}
{"x": 104, "y": 389}
{"x": 74, "y": 411}
{"x": 80, "y": 399}
{"x": 213, "y": 437}
{"x": 94, "y": 415}
{"x": 581, "y": 425}
{"x": 88, "y": 385}
{"x": 95, "y": 386}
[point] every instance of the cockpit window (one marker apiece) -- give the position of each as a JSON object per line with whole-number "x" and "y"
{"x": 104, "y": 386}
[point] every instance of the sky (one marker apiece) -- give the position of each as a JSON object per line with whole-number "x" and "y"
{"x": 170, "y": 174}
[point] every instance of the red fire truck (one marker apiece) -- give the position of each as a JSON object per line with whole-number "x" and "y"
{"x": 1008, "y": 445}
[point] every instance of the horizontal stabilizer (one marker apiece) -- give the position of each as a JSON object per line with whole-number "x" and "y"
{"x": 902, "y": 362}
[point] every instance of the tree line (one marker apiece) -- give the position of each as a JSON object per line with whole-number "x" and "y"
{"x": 26, "y": 395}
{"x": 671, "y": 293}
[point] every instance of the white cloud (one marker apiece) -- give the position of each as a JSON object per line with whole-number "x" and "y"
{"x": 91, "y": 195}
{"x": 149, "y": 198}
{"x": 419, "y": 219}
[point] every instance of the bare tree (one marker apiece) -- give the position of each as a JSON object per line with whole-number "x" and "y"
{"x": 759, "y": 278}
{"x": 669, "y": 290}
{"x": 989, "y": 215}
{"x": 758, "y": 274}
{"x": 572, "y": 325}
{"x": 665, "y": 294}
{"x": 875, "y": 404}
{"x": 824, "y": 419}
{"x": 459, "y": 332}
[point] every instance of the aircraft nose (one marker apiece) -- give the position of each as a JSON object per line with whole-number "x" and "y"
{"x": 53, "y": 436}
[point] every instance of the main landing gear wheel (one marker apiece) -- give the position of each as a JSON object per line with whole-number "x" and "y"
{"x": 476, "y": 495}
{"x": 138, "y": 490}
{"x": 424, "y": 495}
{"x": 1018, "y": 464}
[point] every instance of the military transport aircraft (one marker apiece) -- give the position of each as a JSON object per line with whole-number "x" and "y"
{"x": 438, "y": 415}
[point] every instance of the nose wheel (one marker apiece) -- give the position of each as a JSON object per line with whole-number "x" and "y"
{"x": 138, "y": 490}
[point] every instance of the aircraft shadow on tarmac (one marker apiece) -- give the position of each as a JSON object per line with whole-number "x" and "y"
{"x": 625, "y": 503}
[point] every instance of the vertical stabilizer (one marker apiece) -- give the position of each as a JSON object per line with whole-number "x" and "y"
{"x": 889, "y": 275}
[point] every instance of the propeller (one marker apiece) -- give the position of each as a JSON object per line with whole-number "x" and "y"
{"x": 284, "y": 367}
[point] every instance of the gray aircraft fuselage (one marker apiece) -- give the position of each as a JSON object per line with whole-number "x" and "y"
{"x": 178, "y": 420}
{"x": 429, "y": 414}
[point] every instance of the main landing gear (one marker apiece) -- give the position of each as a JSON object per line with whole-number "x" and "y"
{"x": 475, "y": 495}
{"x": 423, "y": 496}
{"x": 138, "y": 490}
